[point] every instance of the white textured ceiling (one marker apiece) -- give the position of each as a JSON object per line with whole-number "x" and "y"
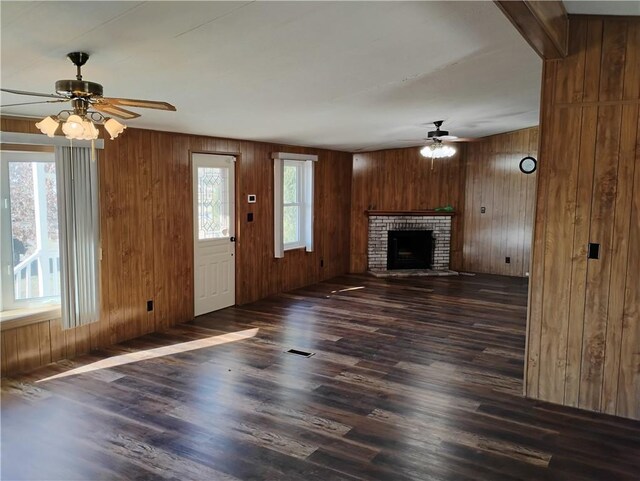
{"x": 342, "y": 75}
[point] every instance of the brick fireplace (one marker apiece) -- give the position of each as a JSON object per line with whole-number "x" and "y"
{"x": 381, "y": 223}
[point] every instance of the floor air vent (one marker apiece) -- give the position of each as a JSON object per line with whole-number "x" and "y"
{"x": 300, "y": 353}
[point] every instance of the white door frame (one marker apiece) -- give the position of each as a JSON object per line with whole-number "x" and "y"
{"x": 215, "y": 256}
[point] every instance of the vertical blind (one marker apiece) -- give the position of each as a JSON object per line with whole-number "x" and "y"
{"x": 79, "y": 221}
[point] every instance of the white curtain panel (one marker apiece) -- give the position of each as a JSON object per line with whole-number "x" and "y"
{"x": 78, "y": 217}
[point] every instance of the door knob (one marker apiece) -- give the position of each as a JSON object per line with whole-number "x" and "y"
{"x": 232, "y": 239}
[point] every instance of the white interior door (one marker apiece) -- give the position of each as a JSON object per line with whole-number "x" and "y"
{"x": 214, "y": 231}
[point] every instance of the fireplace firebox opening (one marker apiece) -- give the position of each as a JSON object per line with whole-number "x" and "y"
{"x": 410, "y": 249}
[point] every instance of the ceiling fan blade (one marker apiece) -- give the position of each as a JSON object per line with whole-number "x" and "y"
{"x": 144, "y": 104}
{"x": 115, "y": 111}
{"x": 33, "y": 94}
{"x": 33, "y": 103}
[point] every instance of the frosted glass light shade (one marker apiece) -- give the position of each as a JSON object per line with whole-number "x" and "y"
{"x": 73, "y": 128}
{"x": 437, "y": 151}
{"x": 48, "y": 126}
{"x": 114, "y": 127}
{"x": 90, "y": 130}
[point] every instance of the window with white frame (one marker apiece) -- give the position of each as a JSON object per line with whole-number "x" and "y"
{"x": 293, "y": 202}
{"x": 50, "y": 227}
{"x": 29, "y": 232}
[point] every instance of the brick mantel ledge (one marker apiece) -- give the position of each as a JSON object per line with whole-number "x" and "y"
{"x": 409, "y": 212}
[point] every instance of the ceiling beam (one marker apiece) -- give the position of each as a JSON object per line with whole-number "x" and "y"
{"x": 544, "y": 24}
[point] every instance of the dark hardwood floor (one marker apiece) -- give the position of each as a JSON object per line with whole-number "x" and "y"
{"x": 412, "y": 379}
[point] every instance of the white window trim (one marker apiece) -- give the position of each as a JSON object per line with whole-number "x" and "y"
{"x": 307, "y": 216}
{"x": 300, "y": 203}
{"x": 7, "y": 301}
{"x": 23, "y": 312}
{"x": 40, "y": 139}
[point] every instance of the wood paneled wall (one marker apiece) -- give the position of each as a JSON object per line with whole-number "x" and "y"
{"x": 147, "y": 242}
{"x": 494, "y": 181}
{"x": 401, "y": 179}
{"x": 584, "y": 315}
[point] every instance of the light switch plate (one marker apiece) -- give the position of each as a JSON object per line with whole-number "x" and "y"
{"x": 251, "y": 198}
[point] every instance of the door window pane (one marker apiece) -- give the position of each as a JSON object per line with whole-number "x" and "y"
{"x": 34, "y": 230}
{"x": 213, "y": 203}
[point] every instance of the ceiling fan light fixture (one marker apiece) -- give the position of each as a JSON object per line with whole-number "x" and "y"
{"x": 114, "y": 127}
{"x": 73, "y": 127}
{"x": 437, "y": 151}
{"x": 90, "y": 130}
{"x": 48, "y": 126}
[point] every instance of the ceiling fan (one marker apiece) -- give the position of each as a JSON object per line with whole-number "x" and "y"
{"x": 436, "y": 135}
{"x": 87, "y": 106}
{"x": 440, "y": 135}
{"x": 435, "y": 149}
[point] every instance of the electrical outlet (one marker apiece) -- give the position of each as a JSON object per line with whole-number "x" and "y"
{"x": 321, "y": 262}
{"x": 149, "y": 306}
{"x": 483, "y": 210}
{"x": 507, "y": 260}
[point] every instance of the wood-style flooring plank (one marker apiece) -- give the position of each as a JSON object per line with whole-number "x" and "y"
{"x": 411, "y": 380}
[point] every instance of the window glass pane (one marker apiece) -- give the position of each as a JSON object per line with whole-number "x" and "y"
{"x": 290, "y": 195}
{"x": 34, "y": 229}
{"x": 291, "y": 219}
{"x": 213, "y": 203}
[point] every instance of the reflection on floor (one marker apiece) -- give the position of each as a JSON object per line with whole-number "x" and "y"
{"x": 412, "y": 379}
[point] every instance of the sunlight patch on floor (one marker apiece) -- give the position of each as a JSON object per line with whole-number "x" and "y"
{"x": 157, "y": 352}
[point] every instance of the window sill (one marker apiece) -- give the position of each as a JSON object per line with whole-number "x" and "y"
{"x": 15, "y": 318}
{"x": 294, "y": 247}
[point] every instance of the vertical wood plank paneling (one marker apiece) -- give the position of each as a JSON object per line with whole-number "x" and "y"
{"x": 628, "y": 389}
{"x": 592, "y": 49}
{"x": 589, "y": 318}
{"x": 69, "y": 336}
{"x": 485, "y": 238}
{"x": 401, "y": 179}
{"x": 147, "y": 240}
{"x": 614, "y": 39}
{"x": 582, "y": 222}
{"x": 529, "y": 199}
{"x": 83, "y": 339}
{"x": 538, "y": 260}
{"x": 57, "y": 340}
{"x": 100, "y": 330}
{"x": 623, "y": 212}
{"x": 10, "y": 351}
{"x": 494, "y": 181}
{"x": 557, "y": 276}
{"x": 599, "y": 271}
{"x": 28, "y": 347}
{"x": 619, "y": 257}
{"x": 44, "y": 336}
{"x": 3, "y": 360}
